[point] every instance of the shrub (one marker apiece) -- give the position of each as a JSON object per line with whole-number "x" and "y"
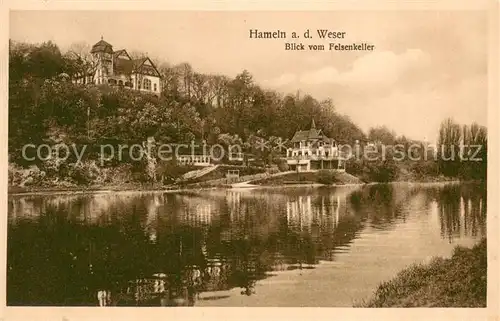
{"x": 31, "y": 176}
{"x": 83, "y": 173}
{"x": 354, "y": 167}
{"x": 424, "y": 168}
{"x": 373, "y": 171}
{"x": 273, "y": 169}
{"x": 384, "y": 171}
{"x": 283, "y": 166}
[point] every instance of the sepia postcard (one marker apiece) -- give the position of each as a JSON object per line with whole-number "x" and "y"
{"x": 307, "y": 160}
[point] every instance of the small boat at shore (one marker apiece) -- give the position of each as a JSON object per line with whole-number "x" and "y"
{"x": 244, "y": 185}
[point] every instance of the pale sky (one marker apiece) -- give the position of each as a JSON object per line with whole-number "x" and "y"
{"x": 426, "y": 65}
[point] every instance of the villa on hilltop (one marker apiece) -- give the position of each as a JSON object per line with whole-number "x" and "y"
{"x": 312, "y": 150}
{"x": 117, "y": 68}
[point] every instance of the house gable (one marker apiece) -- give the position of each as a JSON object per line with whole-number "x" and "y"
{"x": 146, "y": 66}
{"x": 308, "y": 135}
{"x": 121, "y": 54}
{"x": 119, "y": 68}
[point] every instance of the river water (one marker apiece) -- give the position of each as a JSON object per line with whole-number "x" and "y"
{"x": 303, "y": 246}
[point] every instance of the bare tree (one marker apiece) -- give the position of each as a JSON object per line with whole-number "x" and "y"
{"x": 219, "y": 89}
{"x": 85, "y": 64}
{"x": 186, "y": 73}
{"x": 170, "y": 78}
{"x": 201, "y": 88}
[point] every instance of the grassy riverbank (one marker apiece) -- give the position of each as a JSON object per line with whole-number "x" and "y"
{"x": 459, "y": 281}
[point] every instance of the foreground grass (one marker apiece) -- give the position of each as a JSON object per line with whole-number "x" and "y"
{"x": 456, "y": 282}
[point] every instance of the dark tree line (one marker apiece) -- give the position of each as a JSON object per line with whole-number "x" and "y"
{"x": 462, "y": 150}
{"x": 44, "y": 103}
{"x": 47, "y": 107}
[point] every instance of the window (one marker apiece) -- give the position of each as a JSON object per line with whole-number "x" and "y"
{"x": 120, "y": 82}
{"x": 155, "y": 86}
{"x": 147, "y": 84}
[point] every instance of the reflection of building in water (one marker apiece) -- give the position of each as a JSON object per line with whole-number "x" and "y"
{"x": 153, "y": 208}
{"x": 279, "y": 262}
{"x": 214, "y": 268}
{"x": 304, "y": 211}
{"x": 196, "y": 211}
{"x": 21, "y": 208}
{"x": 299, "y": 212}
{"x": 233, "y": 200}
{"x": 236, "y": 207}
{"x": 211, "y": 276}
{"x": 147, "y": 288}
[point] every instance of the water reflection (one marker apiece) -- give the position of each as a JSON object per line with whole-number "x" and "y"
{"x": 154, "y": 249}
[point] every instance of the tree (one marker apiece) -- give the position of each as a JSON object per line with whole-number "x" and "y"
{"x": 382, "y": 135}
{"x": 449, "y": 140}
{"x": 475, "y": 151}
{"x": 82, "y": 62}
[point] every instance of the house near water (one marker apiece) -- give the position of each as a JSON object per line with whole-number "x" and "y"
{"x": 312, "y": 150}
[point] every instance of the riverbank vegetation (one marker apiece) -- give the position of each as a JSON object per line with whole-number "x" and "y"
{"x": 47, "y": 108}
{"x": 459, "y": 154}
{"x": 460, "y": 281}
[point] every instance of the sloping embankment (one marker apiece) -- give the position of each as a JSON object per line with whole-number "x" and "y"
{"x": 346, "y": 178}
{"x": 456, "y": 282}
{"x": 217, "y": 177}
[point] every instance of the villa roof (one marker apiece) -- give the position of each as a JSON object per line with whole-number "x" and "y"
{"x": 311, "y": 134}
{"x": 126, "y": 66}
{"x": 117, "y": 53}
{"x": 139, "y": 61}
{"x": 102, "y": 46}
{"x": 122, "y": 62}
{"x": 123, "y": 66}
